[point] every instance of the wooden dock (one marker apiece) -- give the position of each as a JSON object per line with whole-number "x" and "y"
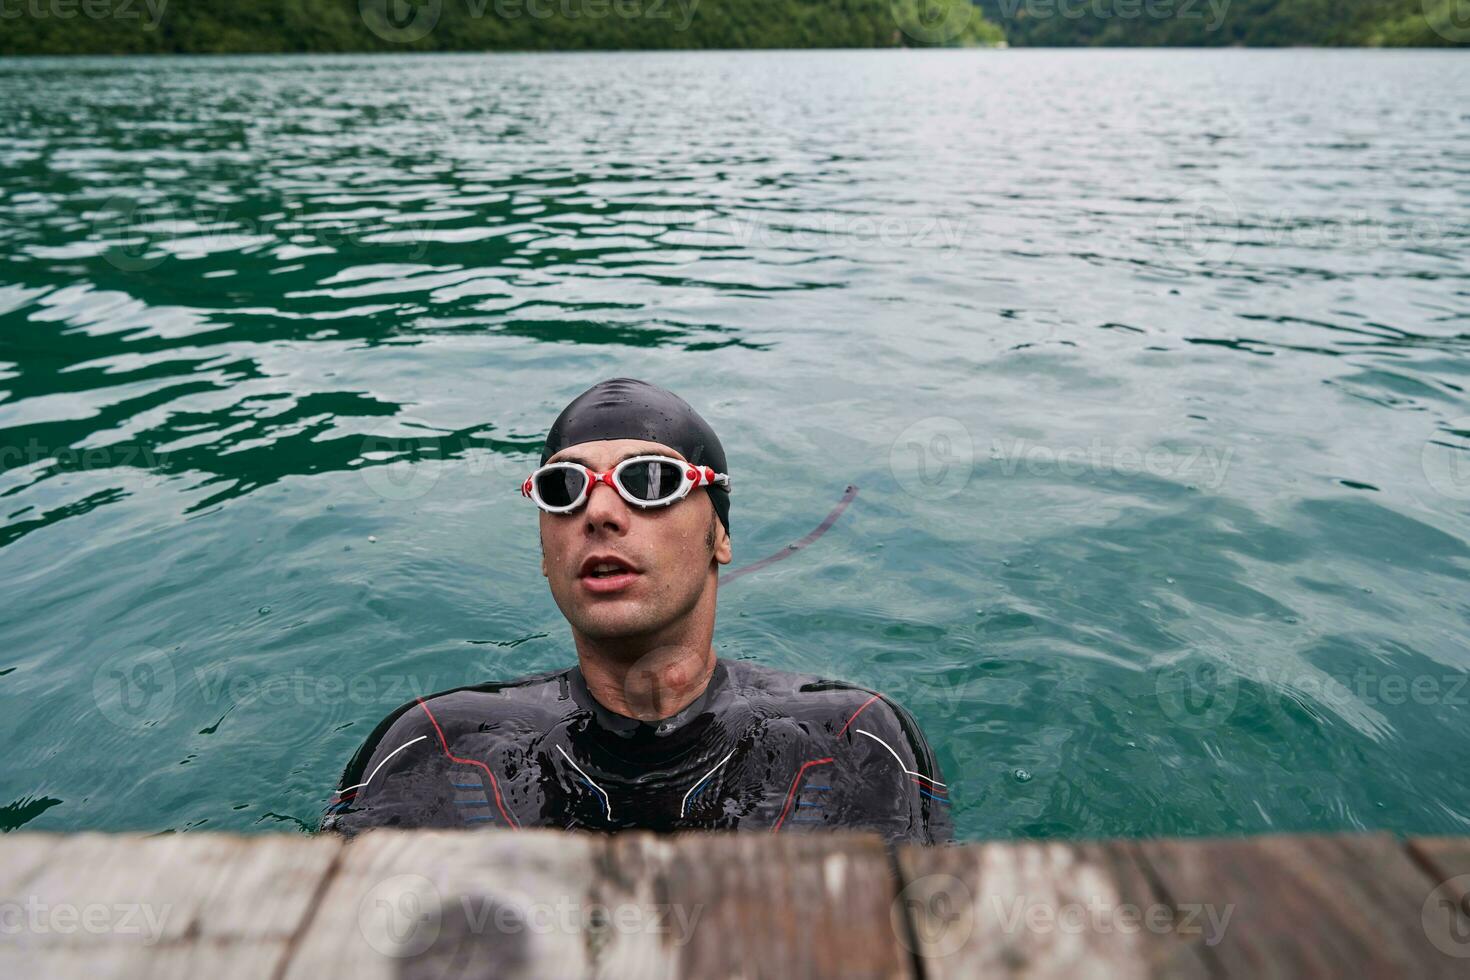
{"x": 423, "y": 906}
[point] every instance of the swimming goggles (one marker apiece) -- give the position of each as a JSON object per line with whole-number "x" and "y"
{"x": 643, "y": 481}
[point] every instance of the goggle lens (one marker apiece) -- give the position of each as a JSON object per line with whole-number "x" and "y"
{"x": 562, "y": 485}
{"x": 650, "y": 479}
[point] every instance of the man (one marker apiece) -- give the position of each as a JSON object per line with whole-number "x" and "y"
{"x": 650, "y": 729}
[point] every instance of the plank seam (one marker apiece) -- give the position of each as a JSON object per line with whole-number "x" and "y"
{"x": 611, "y": 877}
{"x": 1206, "y": 953}
{"x": 909, "y": 940}
{"x": 1425, "y": 863}
{"x": 307, "y": 918}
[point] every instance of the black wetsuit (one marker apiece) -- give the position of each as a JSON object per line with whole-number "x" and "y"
{"x": 760, "y": 749}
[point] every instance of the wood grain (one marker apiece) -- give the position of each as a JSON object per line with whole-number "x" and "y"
{"x": 1041, "y": 910}
{"x": 175, "y": 905}
{"x": 442, "y": 905}
{"x": 1446, "y": 860}
{"x": 448, "y": 904}
{"x": 1445, "y": 914}
{"x": 757, "y": 905}
{"x": 1307, "y": 906}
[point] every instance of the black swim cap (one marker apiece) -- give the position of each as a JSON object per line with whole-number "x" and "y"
{"x": 626, "y": 408}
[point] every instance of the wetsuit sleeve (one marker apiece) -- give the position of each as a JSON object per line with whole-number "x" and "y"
{"x": 399, "y": 777}
{"x": 896, "y": 778}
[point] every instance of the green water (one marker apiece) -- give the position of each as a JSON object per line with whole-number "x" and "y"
{"x": 1150, "y": 368}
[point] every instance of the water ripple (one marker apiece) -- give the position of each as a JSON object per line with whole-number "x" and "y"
{"x": 1152, "y": 368}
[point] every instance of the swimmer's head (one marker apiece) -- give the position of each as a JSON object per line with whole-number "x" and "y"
{"x": 673, "y": 552}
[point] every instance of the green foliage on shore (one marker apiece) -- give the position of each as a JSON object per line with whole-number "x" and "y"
{"x": 1220, "y": 23}
{"x": 221, "y": 26}
{"x": 228, "y": 26}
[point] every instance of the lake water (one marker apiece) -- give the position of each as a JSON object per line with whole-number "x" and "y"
{"x": 1150, "y": 368}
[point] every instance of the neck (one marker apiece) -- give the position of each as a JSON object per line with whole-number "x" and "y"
{"x": 655, "y": 675}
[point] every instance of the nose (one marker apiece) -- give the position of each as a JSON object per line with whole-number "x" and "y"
{"x": 605, "y": 510}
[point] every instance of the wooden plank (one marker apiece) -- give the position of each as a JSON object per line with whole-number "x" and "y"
{"x": 569, "y": 905}
{"x": 416, "y": 905}
{"x": 1042, "y": 910}
{"x": 424, "y": 904}
{"x": 1444, "y": 859}
{"x": 23, "y": 856}
{"x": 209, "y": 886}
{"x": 174, "y": 905}
{"x": 189, "y": 960}
{"x": 757, "y": 905}
{"x": 1326, "y": 906}
{"x": 1445, "y": 914}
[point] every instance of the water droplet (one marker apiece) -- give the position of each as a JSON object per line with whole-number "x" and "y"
{"x": 1021, "y": 776}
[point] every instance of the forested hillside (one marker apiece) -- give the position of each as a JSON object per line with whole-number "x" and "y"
{"x": 209, "y": 26}
{"x": 1218, "y": 23}
{"x": 218, "y": 26}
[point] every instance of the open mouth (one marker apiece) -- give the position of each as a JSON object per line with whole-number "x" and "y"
{"x": 606, "y": 573}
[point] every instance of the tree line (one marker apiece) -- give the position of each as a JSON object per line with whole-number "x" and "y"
{"x": 250, "y": 26}
{"x": 1224, "y": 23}
{"x": 230, "y": 26}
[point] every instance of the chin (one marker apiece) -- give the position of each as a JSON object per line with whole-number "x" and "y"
{"x": 615, "y": 624}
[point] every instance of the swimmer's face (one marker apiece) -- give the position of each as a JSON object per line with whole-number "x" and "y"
{"x": 672, "y": 550}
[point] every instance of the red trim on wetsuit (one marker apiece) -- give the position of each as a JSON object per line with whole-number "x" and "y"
{"x": 472, "y": 762}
